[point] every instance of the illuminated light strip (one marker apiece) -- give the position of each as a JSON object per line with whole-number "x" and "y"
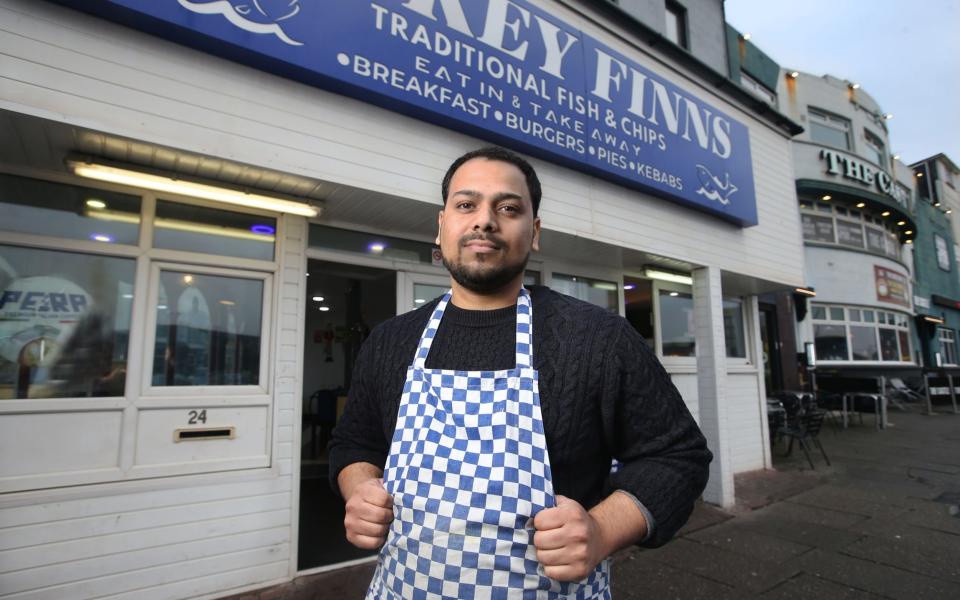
{"x": 805, "y": 292}
{"x": 107, "y": 215}
{"x": 188, "y": 188}
{"x": 667, "y": 276}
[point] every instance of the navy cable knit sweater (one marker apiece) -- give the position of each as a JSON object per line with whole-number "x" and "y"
{"x": 603, "y": 394}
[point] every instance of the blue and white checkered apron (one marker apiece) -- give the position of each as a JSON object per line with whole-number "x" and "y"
{"x": 468, "y": 469}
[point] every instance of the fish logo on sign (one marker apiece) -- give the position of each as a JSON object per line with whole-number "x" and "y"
{"x": 255, "y": 16}
{"x": 713, "y": 188}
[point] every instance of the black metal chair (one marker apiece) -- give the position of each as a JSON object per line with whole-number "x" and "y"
{"x": 805, "y": 428}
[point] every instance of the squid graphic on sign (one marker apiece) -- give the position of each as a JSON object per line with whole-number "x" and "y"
{"x": 714, "y": 188}
{"x": 255, "y": 16}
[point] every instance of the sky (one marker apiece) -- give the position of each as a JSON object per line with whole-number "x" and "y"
{"x": 905, "y": 54}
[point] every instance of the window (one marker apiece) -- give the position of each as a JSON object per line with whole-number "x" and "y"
{"x": 835, "y": 223}
{"x": 948, "y": 345}
{"x": 829, "y": 129}
{"x": 677, "y": 324}
{"x": 860, "y": 334}
{"x": 594, "y": 291}
{"x": 369, "y": 244}
{"x": 943, "y": 255}
{"x": 68, "y": 211}
{"x": 733, "y": 328}
{"x": 874, "y": 148}
{"x": 757, "y": 89}
{"x": 64, "y": 323}
{"x": 213, "y": 231}
{"x": 676, "y": 24}
{"x": 208, "y": 330}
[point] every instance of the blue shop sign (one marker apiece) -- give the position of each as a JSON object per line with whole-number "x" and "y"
{"x": 503, "y": 70}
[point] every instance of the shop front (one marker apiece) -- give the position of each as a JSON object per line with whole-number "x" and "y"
{"x": 203, "y": 220}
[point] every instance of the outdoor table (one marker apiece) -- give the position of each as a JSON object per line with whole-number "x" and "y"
{"x": 879, "y": 404}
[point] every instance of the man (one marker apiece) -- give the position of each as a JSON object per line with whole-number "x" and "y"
{"x": 481, "y": 462}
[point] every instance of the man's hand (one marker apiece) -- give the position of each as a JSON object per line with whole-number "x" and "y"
{"x": 369, "y": 509}
{"x": 569, "y": 541}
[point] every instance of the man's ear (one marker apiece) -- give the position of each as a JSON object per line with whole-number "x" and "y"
{"x": 439, "y": 227}
{"x": 535, "y": 246}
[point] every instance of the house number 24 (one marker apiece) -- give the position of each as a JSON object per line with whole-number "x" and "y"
{"x": 196, "y": 416}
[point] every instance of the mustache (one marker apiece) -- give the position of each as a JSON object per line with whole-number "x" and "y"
{"x": 470, "y": 237}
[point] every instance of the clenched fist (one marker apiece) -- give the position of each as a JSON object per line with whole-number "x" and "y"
{"x": 369, "y": 514}
{"x": 568, "y": 541}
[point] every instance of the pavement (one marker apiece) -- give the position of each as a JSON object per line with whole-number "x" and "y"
{"x": 881, "y": 522}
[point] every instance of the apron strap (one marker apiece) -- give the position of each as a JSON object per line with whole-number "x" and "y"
{"x": 524, "y": 331}
{"x": 423, "y": 350}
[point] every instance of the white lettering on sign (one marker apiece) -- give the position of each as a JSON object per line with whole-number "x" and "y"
{"x": 857, "y": 170}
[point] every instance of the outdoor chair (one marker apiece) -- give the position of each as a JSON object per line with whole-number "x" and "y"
{"x": 805, "y": 428}
{"x": 901, "y": 391}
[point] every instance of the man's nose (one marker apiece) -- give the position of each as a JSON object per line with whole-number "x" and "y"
{"x": 486, "y": 218}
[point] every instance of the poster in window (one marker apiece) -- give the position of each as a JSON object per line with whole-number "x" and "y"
{"x": 818, "y": 229}
{"x": 850, "y": 234}
{"x": 943, "y": 255}
{"x": 891, "y": 286}
{"x": 875, "y": 241}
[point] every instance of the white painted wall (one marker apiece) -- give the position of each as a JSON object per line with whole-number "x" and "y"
{"x": 847, "y": 277}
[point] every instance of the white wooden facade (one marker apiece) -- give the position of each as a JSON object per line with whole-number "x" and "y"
{"x": 178, "y": 531}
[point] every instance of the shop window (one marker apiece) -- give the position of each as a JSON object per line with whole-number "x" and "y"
{"x": 875, "y": 148}
{"x": 370, "y": 245}
{"x": 733, "y": 328}
{"x": 860, "y": 334}
{"x": 829, "y": 129}
{"x": 594, "y": 291}
{"x": 638, "y": 298}
{"x": 68, "y": 211}
{"x": 943, "y": 254}
{"x": 64, "y": 323}
{"x": 831, "y": 342}
{"x": 875, "y": 240}
{"x": 948, "y": 345}
{"x": 818, "y": 229}
{"x": 677, "y": 324}
{"x": 213, "y": 231}
{"x": 208, "y": 330}
{"x": 676, "y": 24}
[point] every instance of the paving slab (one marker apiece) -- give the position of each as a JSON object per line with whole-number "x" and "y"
{"x": 830, "y": 517}
{"x": 746, "y": 573}
{"x": 879, "y": 579}
{"x": 802, "y": 532}
{"x": 805, "y": 587}
{"x": 731, "y": 538}
{"x": 638, "y": 579}
{"x": 919, "y": 551}
{"x": 852, "y": 500}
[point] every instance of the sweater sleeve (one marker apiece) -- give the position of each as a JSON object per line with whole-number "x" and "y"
{"x": 359, "y": 435}
{"x": 663, "y": 456}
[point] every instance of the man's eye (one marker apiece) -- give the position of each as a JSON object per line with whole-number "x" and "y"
{"x": 509, "y": 208}
{"x": 464, "y": 205}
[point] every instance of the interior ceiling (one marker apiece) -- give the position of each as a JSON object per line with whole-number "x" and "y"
{"x": 34, "y": 143}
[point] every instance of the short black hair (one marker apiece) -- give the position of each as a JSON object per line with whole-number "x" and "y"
{"x": 502, "y": 155}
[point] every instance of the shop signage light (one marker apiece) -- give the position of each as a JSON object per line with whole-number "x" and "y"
{"x": 810, "y": 292}
{"x": 857, "y": 170}
{"x": 654, "y": 273}
{"x": 159, "y": 183}
{"x": 509, "y": 72}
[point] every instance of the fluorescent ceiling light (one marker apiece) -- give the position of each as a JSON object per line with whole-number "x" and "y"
{"x": 160, "y": 183}
{"x": 668, "y": 276}
{"x": 806, "y": 292}
{"x": 121, "y": 217}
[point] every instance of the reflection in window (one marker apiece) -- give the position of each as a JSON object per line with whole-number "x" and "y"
{"x": 594, "y": 291}
{"x": 831, "y": 342}
{"x": 69, "y": 211}
{"x": 948, "y": 346}
{"x": 864, "y": 342}
{"x": 677, "y": 324}
{"x": 64, "y": 323}
{"x": 369, "y": 244}
{"x": 733, "y": 328}
{"x": 829, "y": 129}
{"x": 208, "y": 330}
{"x": 213, "y": 231}
{"x": 423, "y": 293}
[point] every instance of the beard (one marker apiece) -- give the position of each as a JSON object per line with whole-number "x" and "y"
{"x": 481, "y": 278}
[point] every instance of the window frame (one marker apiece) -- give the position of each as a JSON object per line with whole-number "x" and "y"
{"x": 874, "y": 143}
{"x": 679, "y": 14}
{"x": 134, "y": 398}
{"x": 901, "y": 324}
{"x": 824, "y": 118}
{"x": 842, "y": 214}
{"x": 947, "y": 340}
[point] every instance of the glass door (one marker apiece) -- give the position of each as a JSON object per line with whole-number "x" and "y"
{"x": 416, "y": 289}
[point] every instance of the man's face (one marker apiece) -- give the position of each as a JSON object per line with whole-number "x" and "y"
{"x": 487, "y": 227}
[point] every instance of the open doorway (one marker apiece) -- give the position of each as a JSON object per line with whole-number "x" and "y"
{"x": 344, "y": 302}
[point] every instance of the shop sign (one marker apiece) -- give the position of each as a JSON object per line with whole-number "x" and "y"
{"x": 504, "y": 70}
{"x": 921, "y": 302}
{"x": 892, "y": 287}
{"x": 862, "y": 172}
